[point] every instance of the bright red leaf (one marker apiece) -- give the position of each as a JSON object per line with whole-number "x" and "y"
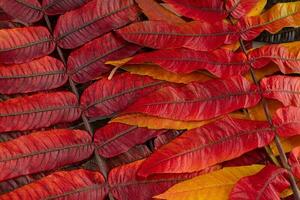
{"x": 294, "y": 161}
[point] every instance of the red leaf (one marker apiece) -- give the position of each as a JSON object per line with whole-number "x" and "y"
{"x": 116, "y": 138}
{"x": 37, "y": 111}
{"x": 165, "y": 138}
{"x": 76, "y": 184}
{"x": 106, "y": 97}
{"x": 87, "y": 63}
{"x": 221, "y": 63}
{"x": 239, "y": 8}
{"x": 198, "y": 101}
{"x": 287, "y": 121}
{"x": 265, "y": 185}
{"x": 282, "y": 88}
{"x": 208, "y": 145}
{"x": 43, "y": 151}
{"x": 4, "y": 16}
{"x": 294, "y": 161}
{"x": 125, "y": 184}
{"x": 26, "y": 10}
{"x": 24, "y": 44}
{"x": 54, "y": 7}
{"x": 79, "y": 26}
{"x": 41, "y": 74}
{"x": 194, "y": 35}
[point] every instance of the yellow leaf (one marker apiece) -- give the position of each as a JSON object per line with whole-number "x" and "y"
{"x": 257, "y": 112}
{"x": 287, "y": 143}
{"x": 212, "y": 186}
{"x": 118, "y": 63}
{"x": 261, "y": 73}
{"x": 231, "y": 47}
{"x": 259, "y": 7}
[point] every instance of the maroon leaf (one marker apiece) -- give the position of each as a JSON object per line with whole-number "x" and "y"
{"x": 54, "y": 7}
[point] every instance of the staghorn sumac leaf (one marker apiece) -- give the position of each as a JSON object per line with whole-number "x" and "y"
{"x": 241, "y": 8}
{"x": 40, "y": 74}
{"x": 266, "y": 184}
{"x": 116, "y": 138}
{"x": 294, "y": 161}
{"x": 87, "y": 62}
{"x": 20, "y": 45}
{"x": 288, "y": 143}
{"x": 287, "y": 121}
{"x": 213, "y": 186}
{"x": 55, "y": 7}
{"x": 38, "y": 110}
{"x": 79, "y": 26}
{"x": 221, "y": 63}
{"x": 286, "y": 56}
{"x": 44, "y": 150}
{"x": 282, "y": 88}
{"x": 4, "y": 16}
{"x": 198, "y": 101}
{"x": 165, "y": 138}
{"x": 125, "y": 184}
{"x": 75, "y": 184}
{"x": 195, "y": 35}
{"x": 108, "y": 97}
{"x": 208, "y": 145}
{"x": 26, "y": 10}
{"x": 279, "y": 16}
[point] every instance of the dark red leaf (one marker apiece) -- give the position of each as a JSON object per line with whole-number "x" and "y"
{"x": 26, "y": 10}
{"x": 79, "y": 26}
{"x": 4, "y": 16}
{"x": 76, "y": 184}
{"x": 24, "y": 44}
{"x": 41, "y": 74}
{"x": 37, "y": 111}
{"x": 265, "y": 185}
{"x": 55, "y": 7}
{"x": 43, "y": 151}
{"x": 106, "y": 97}
{"x": 165, "y": 138}
{"x": 87, "y": 63}
{"x": 116, "y": 138}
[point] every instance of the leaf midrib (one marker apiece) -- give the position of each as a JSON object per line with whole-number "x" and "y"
{"x": 30, "y": 44}
{"x": 34, "y": 74}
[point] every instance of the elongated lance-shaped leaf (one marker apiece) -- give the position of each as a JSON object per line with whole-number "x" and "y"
{"x": 116, "y": 138}
{"x": 40, "y": 74}
{"x": 195, "y": 35}
{"x": 20, "y": 45}
{"x": 279, "y": 16}
{"x": 107, "y": 97}
{"x": 79, "y": 26}
{"x": 198, "y": 101}
{"x": 87, "y": 62}
{"x": 285, "y": 89}
{"x": 38, "y": 110}
{"x": 26, "y": 10}
{"x": 55, "y": 7}
{"x": 208, "y": 145}
{"x": 266, "y": 184}
{"x": 294, "y": 161}
{"x": 41, "y": 151}
{"x": 75, "y": 184}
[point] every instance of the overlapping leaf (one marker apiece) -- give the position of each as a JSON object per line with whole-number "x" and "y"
{"x": 195, "y": 35}
{"x": 54, "y": 7}
{"x": 75, "y": 184}
{"x": 40, "y": 74}
{"x": 208, "y": 145}
{"x": 107, "y": 97}
{"x": 87, "y": 63}
{"x": 38, "y": 110}
{"x": 79, "y": 26}
{"x": 294, "y": 161}
{"x": 24, "y": 44}
{"x": 116, "y": 138}
{"x": 57, "y": 147}
{"x": 198, "y": 101}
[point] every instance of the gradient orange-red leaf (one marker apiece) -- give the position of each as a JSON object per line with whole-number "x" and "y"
{"x": 208, "y": 145}
{"x": 294, "y": 161}
{"x": 38, "y": 110}
{"x": 221, "y": 63}
{"x": 79, "y": 26}
{"x": 279, "y": 16}
{"x": 240, "y": 8}
{"x": 20, "y": 45}
{"x": 87, "y": 62}
{"x": 198, "y": 101}
{"x": 40, "y": 74}
{"x": 282, "y": 88}
{"x": 266, "y": 184}
{"x": 195, "y": 35}
{"x": 107, "y": 97}
{"x": 116, "y": 138}
{"x": 41, "y": 151}
{"x": 75, "y": 184}
{"x": 54, "y": 7}
{"x": 26, "y": 10}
